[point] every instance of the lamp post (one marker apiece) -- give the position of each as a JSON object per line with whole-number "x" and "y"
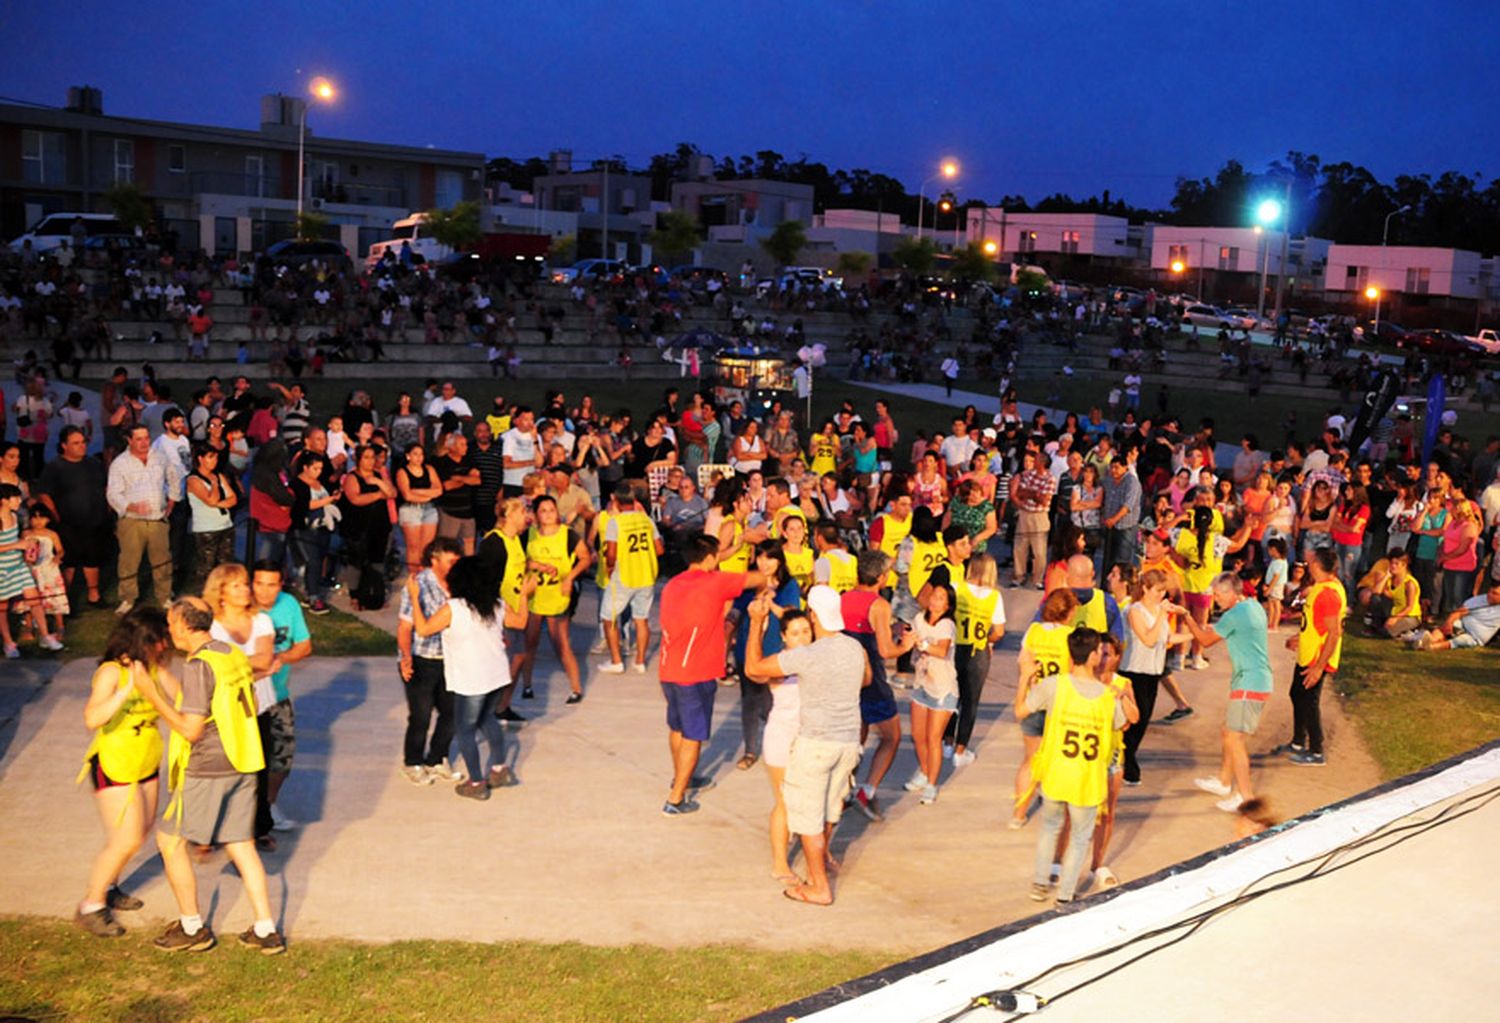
{"x": 321, "y": 89}
{"x": 948, "y": 171}
{"x": 1286, "y": 237}
{"x": 1268, "y": 213}
{"x": 1385, "y": 232}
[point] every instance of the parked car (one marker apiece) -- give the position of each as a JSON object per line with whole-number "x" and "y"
{"x": 1438, "y": 342}
{"x": 1201, "y": 315}
{"x": 697, "y": 277}
{"x": 55, "y": 228}
{"x": 654, "y": 273}
{"x": 297, "y": 253}
{"x": 1487, "y": 339}
{"x": 1386, "y": 333}
{"x": 588, "y": 269}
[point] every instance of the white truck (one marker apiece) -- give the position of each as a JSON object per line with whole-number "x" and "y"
{"x": 1488, "y": 339}
{"x": 409, "y": 231}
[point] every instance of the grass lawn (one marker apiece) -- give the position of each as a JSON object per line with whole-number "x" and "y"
{"x": 335, "y": 634}
{"x": 50, "y": 971}
{"x": 1416, "y": 708}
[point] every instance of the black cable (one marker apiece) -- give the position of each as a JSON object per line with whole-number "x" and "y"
{"x": 1399, "y": 832}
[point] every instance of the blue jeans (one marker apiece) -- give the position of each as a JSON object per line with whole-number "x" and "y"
{"x": 1457, "y": 588}
{"x": 472, "y": 715}
{"x": 310, "y": 547}
{"x": 1079, "y": 844}
{"x": 270, "y": 546}
{"x": 1348, "y": 563}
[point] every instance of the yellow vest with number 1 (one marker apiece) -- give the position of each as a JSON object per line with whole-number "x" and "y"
{"x": 1309, "y": 639}
{"x": 233, "y": 712}
{"x": 892, "y": 532}
{"x": 129, "y": 744}
{"x": 974, "y": 614}
{"x": 739, "y": 561}
{"x": 555, "y": 550}
{"x": 1073, "y": 761}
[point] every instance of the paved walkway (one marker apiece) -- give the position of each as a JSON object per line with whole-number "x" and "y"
{"x": 579, "y": 851}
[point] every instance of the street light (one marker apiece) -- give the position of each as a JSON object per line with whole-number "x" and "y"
{"x": 1268, "y": 212}
{"x": 322, "y": 89}
{"x": 990, "y": 248}
{"x": 1385, "y": 232}
{"x": 948, "y": 171}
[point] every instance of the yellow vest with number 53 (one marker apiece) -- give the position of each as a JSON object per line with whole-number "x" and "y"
{"x": 1072, "y": 764}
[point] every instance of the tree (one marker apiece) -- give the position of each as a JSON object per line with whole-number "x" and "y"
{"x": 855, "y": 264}
{"x": 457, "y": 228}
{"x": 970, "y": 264}
{"x": 564, "y": 250}
{"x": 915, "y": 254}
{"x": 129, "y": 205}
{"x": 311, "y": 226}
{"x": 789, "y": 238}
{"x": 676, "y": 236}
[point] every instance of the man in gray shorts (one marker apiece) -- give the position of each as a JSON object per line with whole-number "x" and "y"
{"x": 215, "y": 801}
{"x": 830, "y": 673}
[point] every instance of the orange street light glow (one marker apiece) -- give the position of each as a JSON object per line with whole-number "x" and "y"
{"x": 322, "y": 88}
{"x": 1178, "y": 266}
{"x": 990, "y": 248}
{"x": 950, "y": 168}
{"x": 1372, "y": 292}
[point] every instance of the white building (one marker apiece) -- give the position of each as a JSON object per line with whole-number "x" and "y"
{"x": 1246, "y": 250}
{"x": 1088, "y": 236}
{"x": 1407, "y": 269}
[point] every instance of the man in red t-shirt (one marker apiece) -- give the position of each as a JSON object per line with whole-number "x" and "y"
{"x": 692, "y": 659}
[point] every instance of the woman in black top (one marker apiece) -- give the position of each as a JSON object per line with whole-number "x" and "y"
{"x": 367, "y": 525}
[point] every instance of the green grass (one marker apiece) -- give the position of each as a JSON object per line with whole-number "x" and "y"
{"x": 50, "y": 971}
{"x": 335, "y": 634}
{"x": 1416, "y": 708}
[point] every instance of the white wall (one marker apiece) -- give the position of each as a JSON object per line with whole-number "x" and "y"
{"x": 1203, "y": 245}
{"x": 1098, "y": 234}
{"x": 1451, "y": 272}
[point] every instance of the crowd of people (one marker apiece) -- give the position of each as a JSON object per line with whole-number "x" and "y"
{"x": 809, "y": 568}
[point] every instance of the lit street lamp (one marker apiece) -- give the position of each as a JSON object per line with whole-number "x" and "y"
{"x": 322, "y": 89}
{"x": 1268, "y": 213}
{"x": 1385, "y": 233}
{"x": 947, "y": 171}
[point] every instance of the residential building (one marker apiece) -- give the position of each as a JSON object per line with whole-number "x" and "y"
{"x": 731, "y": 210}
{"x": 1411, "y": 270}
{"x": 219, "y": 188}
{"x": 1024, "y": 237}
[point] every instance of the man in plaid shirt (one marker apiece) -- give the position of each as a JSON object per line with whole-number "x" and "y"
{"x": 1031, "y": 491}
{"x": 421, "y": 665}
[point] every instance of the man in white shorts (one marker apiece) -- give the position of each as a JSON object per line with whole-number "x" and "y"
{"x": 830, "y": 673}
{"x": 632, "y": 547}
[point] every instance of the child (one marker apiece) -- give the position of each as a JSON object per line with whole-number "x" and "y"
{"x": 1275, "y": 581}
{"x": 338, "y": 442}
{"x": 1297, "y": 583}
{"x": 16, "y": 579}
{"x": 45, "y": 568}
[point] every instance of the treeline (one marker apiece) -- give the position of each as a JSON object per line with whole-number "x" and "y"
{"x": 1341, "y": 201}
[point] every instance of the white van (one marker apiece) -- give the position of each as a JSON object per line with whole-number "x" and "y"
{"x": 53, "y": 229}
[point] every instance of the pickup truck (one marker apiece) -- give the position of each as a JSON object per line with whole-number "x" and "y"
{"x": 1488, "y": 339}
{"x": 409, "y": 232}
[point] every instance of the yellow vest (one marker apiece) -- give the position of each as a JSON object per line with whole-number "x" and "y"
{"x": 499, "y": 425}
{"x": 843, "y": 570}
{"x": 1198, "y": 575}
{"x": 1073, "y": 761}
{"x": 1309, "y": 639}
{"x": 635, "y": 550}
{"x": 893, "y": 531}
{"x": 1092, "y": 614}
{"x": 601, "y": 565}
{"x": 974, "y": 615}
{"x": 739, "y": 561}
{"x": 515, "y": 570}
{"x": 825, "y": 454}
{"x": 800, "y": 565}
{"x": 556, "y": 550}
{"x": 129, "y": 745}
{"x": 1048, "y": 643}
{"x": 233, "y": 712}
{"x": 925, "y": 557}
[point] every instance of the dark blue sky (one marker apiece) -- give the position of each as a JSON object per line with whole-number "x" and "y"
{"x": 1032, "y": 98}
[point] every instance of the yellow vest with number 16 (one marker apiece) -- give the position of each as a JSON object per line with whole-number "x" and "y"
{"x": 974, "y": 615}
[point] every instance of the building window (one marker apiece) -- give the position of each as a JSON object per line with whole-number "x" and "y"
{"x": 1418, "y": 280}
{"x": 1177, "y": 254}
{"x": 1355, "y": 277}
{"x": 177, "y": 159}
{"x": 1028, "y": 242}
{"x": 1229, "y": 257}
{"x": 1070, "y": 241}
{"x": 448, "y": 189}
{"x": 124, "y": 161}
{"x": 42, "y": 158}
{"x": 255, "y": 176}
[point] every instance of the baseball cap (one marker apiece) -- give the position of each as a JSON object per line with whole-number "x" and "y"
{"x": 824, "y": 601}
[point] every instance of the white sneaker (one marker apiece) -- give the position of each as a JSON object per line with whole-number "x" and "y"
{"x": 1231, "y": 804}
{"x": 929, "y": 795}
{"x": 1105, "y": 878}
{"x": 1203, "y": 662}
{"x": 600, "y": 646}
{"x": 916, "y": 783}
{"x": 638, "y": 668}
{"x": 612, "y": 668}
{"x": 281, "y": 822}
{"x": 125, "y": 606}
{"x": 1213, "y": 786}
{"x": 417, "y": 774}
{"x": 51, "y": 643}
{"x": 965, "y": 758}
{"x": 446, "y": 773}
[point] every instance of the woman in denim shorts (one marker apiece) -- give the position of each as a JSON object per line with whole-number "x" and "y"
{"x": 419, "y": 487}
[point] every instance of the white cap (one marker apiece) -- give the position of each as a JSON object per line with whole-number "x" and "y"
{"x": 828, "y": 606}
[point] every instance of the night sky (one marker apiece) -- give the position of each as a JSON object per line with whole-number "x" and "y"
{"x": 1031, "y": 98}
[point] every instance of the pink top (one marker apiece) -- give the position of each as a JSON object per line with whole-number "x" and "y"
{"x": 1454, "y": 536}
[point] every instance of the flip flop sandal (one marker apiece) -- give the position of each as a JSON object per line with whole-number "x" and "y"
{"x": 747, "y": 761}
